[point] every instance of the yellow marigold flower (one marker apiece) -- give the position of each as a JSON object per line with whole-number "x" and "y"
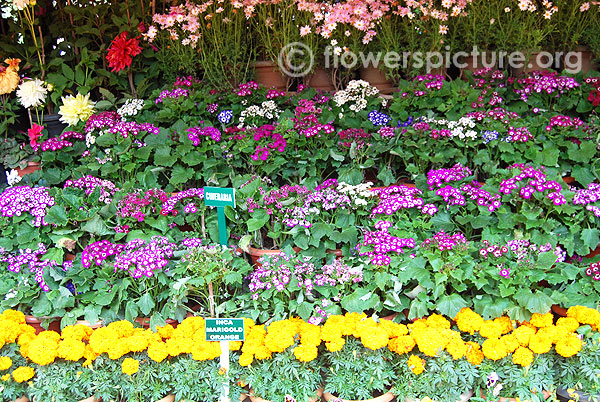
{"x": 457, "y": 348}
{"x": 71, "y": 349}
{"x": 523, "y": 356}
{"x": 43, "y": 349}
{"x": 438, "y": 321}
{"x": 494, "y": 349}
{"x": 569, "y": 345}
{"x": 157, "y": 351}
{"x": 491, "y": 329}
{"x": 9, "y": 330}
{"x": 468, "y": 321}
{"x": 166, "y": 331}
{"x": 246, "y": 359}
{"x": 374, "y": 338}
{"x": 542, "y": 320}
{"x": 416, "y": 364}
{"x": 540, "y": 344}
{"x": 474, "y": 354}
{"x": 118, "y": 349}
{"x": 177, "y": 346}
{"x": 138, "y": 342}
{"x": 306, "y": 353}
{"x": 203, "y": 350}
{"x": 22, "y": 374}
{"x": 585, "y": 315}
{"x": 523, "y": 334}
{"x": 335, "y": 345}
{"x": 570, "y": 323}
{"x": 77, "y": 332}
{"x": 402, "y": 344}
{"x": 417, "y": 325}
{"x": 280, "y": 335}
{"x": 5, "y": 363}
{"x": 235, "y": 345}
{"x": 130, "y": 366}
{"x": 430, "y": 341}
{"x": 553, "y": 333}
{"x": 26, "y": 338}
{"x": 262, "y": 353}
{"x": 505, "y": 323}
{"x": 393, "y": 329}
{"x": 89, "y": 353}
{"x": 310, "y": 334}
{"x": 511, "y": 342}
{"x": 14, "y": 316}
{"x": 5, "y": 377}
{"x": 121, "y": 329}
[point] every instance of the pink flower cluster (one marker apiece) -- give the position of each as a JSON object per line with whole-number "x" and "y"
{"x": 185, "y": 81}
{"x": 519, "y": 134}
{"x": 458, "y": 172}
{"x": 338, "y": 273}
{"x": 90, "y": 183}
{"x": 594, "y": 270}
{"x": 306, "y": 120}
{"x": 58, "y": 143}
{"x": 588, "y": 196}
{"x": 383, "y": 243}
{"x": 246, "y": 89}
{"x": 273, "y": 93}
{"x": 111, "y": 122}
{"x": 15, "y": 201}
{"x": 431, "y": 81}
{"x": 196, "y": 133}
{"x": 277, "y": 271}
{"x": 275, "y": 141}
{"x": 98, "y": 252}
{"x": 354, "y": 135}
{"x": 442, "y": 241}
{"x": 522, "y": 250}
{"x": 395, "y": 198}
{"x": 532, "y": 180}
{"x": 169, "y": 205}
{"x": 545, "y": 82}
{"x": 133, "y": 204}
{"x": 275, "y": 198}
{"x": 497, "y": 113}
{"x": 564, "y": 121}
{"x": 481, "y": 197}
{"x": 387, "y": 132}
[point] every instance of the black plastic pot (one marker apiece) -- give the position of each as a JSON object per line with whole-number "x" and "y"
{"x": 563, "y": 395}
{"x": 52, "y": 124}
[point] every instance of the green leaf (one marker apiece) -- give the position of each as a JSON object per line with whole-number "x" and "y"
{"x": 547, "y": 260}
{"x": 164, "y": 156}
{"x": 360, "y": 300}
{"x": 96, "y": 226}
{"x": 450, "y": 305}
{"x": 56, "y": 216}
{"x": 146, "y": 304}
{"x": 181, "y": 175}
{"x": 590, "y": 238}
{"x": 305, "y": 310}
{"x": 537, "y": 302}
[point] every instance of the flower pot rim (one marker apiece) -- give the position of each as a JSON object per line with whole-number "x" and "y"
{"x": 386, "y": 397}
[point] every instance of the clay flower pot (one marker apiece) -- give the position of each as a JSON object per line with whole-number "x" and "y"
{"x": 387, "y": 397}
{"x": 254, "y": 398}
{"x": 31, "y": 167}
{"x": 267, "y": 74}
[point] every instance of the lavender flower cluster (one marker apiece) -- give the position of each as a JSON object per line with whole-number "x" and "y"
{"x": 143, "y": 259}
{"x": 171, "y": 94}
{"x": 15, "y": 201}
{"x": 383, "y": 243}
{"x": 111, "y": 122}
{"x": 532, "y": 180}
{"x": 196, "y": 133}
{"x": 588, "y": 196}
{"x": 90, "y": 183}
{"x": 395, "y": 198}
{"x": 133, "y": 204}
{"x": 458, "y": 172}
{"x": 30, "y": 259}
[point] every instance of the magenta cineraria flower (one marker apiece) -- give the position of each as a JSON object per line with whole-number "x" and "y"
{"x": 133, "y": 204}
{"x": 31, "y": 259}
{"x": 90, "y": 183}
{"x": 442, "y": 241}
{"x": 15, "y": 201}
{"x": 458, "y": 172}
{"x": 383, "y": 243}
{"x": 168, "y": 206}
{"x": 544, "y": 82}
{"x": 274, "y": 141}
{"x": 196, "y": 133}
{"x": 58, "y": 143}
{"x": 532, "y": 180}
{"x": 111, "y": 122}
{"x": 171, "y": 94}
{"x": 505, "y": 272}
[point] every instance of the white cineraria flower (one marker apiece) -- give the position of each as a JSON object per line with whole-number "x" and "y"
{"x": 131, "y": 107}
{"x": 13, "y": 177}
{"x": 89, "y": 140}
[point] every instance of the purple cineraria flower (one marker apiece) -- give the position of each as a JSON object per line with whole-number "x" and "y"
{"x": 435, "y": 178}
{"x": 90, "y": 183}
{"x": 111, "y": 122}
{"x": 15, "y": 201}
{"x": 196, "y": 133}
{"x": 32, "y": 261}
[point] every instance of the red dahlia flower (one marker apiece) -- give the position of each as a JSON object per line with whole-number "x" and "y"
{"x": 121, "y": 51}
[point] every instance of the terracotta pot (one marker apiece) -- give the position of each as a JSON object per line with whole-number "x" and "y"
{"x": 259, "y": 399}
{"x": 22, "y": 399}
{"x": 387, "y": 397}
{"x": 568, "y": 179}
{"x": 256, "y": 253}
{"x": 37, "y": 324}
{"x": 464, "y": 397}
{"x": 559, "y": 311}
{"x": 91, "y": 399}
{"x": 389, "y": 317}
{"x": 267, "y": 74}
{"x": 31, "y": 167}
{"x": 89, "y": 324}
{"x": 70, "y": 257}
{"x": 320, "y": 79}
{"x": 168, "y": 398}
{"x": 377, "y": 78}
{"x": 145, "y": 322}
{"x": 337, "y": 252}
{"x": 474, "y": 64}
{"x": 535, "y": 62}
{"x": 587, "y": 58}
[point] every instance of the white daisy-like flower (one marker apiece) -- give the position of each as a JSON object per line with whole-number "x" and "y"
{"x": 13, "y": 177}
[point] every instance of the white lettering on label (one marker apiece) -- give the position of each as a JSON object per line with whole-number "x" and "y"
{"x": 219, "y": 197}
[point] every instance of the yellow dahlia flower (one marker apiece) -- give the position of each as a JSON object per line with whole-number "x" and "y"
{"x": 75, "y": 109}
